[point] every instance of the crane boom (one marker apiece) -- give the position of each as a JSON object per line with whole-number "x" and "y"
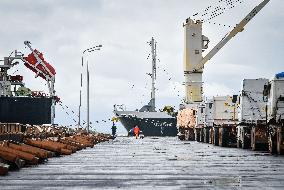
{"x": 239, "y": 28}
{"x": 195, "y": 43}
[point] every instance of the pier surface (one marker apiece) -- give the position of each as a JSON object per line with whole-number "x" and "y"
{"x": 153, "y": 163}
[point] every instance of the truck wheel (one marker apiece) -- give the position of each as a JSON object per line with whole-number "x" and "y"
{"x": 181, "y": 137}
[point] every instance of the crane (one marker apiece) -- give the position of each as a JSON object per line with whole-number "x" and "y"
{"x": 195, "y": 44}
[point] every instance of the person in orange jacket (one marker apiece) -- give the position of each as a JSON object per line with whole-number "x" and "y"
{"x": 136, "y": 131}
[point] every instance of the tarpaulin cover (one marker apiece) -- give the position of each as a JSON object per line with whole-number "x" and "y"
{"x": 186, "y": 118}
{"x": 280, "y": 75}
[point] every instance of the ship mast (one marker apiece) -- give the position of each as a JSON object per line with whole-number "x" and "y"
{"x": 153, "y": 75}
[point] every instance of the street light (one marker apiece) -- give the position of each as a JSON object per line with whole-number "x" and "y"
{"x": 88, "y": 50}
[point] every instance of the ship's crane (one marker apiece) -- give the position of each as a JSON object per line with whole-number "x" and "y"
{"x": 35, "y": 62}
{"x": 195, "y": 44}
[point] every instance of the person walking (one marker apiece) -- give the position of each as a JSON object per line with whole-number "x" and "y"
{"x": 136, "y": 131}
{"x": 113, "y": 130}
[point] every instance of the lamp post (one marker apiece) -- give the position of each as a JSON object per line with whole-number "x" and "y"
{"x": 89, "y": 50}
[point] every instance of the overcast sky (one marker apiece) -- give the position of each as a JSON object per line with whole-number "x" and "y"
{"x": 62, "y": 29}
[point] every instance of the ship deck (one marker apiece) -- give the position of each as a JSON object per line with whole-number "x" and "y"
{"x": 160, "y": 163}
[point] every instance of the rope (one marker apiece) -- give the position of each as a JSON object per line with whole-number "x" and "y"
{"x": 216, "y": 10}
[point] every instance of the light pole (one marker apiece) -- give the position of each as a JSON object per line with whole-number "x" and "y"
{"x": 89, "y": 50}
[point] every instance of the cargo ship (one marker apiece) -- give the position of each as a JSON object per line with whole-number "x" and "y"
{"x": 18, "y": 104}
{"x": 150, "y": 121}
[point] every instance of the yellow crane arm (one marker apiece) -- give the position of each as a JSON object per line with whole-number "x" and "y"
{"x": 239, "y": 28}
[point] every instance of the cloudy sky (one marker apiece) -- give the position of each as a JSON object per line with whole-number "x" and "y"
{"x": 62, "y": 29}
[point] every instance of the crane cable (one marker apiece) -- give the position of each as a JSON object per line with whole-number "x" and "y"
{"x": 214, "y": 11}
{"x": 65, "y": 107}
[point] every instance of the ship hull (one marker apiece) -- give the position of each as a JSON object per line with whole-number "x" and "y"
{"x": 25, "y": 110}
{"x": 149, "y": 124}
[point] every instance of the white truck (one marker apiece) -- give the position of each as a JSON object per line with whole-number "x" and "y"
{"x": 225, "y": 120}
{"x": 274, "y": 94}
{"x": 200, "y": 122}
{"x": 204, "y": 121}
{"x": 252, "y": 131}
{"x": 208, "y": 136}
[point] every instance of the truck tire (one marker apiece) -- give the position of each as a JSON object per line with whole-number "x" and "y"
{"x": 181, "y": 137}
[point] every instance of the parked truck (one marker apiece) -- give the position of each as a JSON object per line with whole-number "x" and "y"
{"x": 200, "y": 122}
{"x": 204, "y": 121}
{"x": 274, "y": 95}
{"x": 208, "y": 126}
{"x": 186, "y": 121}
{"x": 225, "y": 120}
{"x": 252, "y": 131}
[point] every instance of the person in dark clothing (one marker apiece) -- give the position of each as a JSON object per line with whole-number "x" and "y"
{"x": 113, "y": 129}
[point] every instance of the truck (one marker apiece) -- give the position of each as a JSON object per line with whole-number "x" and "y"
{"x": 274, "y": 95}
{"x": 200, "y": 122}
{"x": 252, "y": 132}
{"x": 225, "y": 120}
{"x": 204, "y": 121}
{"x": 207, "y": 130}
{"x": 186, "y": 121}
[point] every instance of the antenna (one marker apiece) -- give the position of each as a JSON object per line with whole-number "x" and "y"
{"x": 153, "y": 45}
